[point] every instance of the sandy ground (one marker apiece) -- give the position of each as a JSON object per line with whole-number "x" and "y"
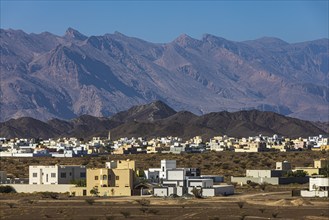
{"x": 268, "y": 205}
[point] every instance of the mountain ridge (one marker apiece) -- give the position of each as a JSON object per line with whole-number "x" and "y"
{"x": 140, "y": 121}
{"x": 49, "y": 76}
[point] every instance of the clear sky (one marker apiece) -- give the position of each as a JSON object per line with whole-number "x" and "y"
{"x": 163, "y": 21}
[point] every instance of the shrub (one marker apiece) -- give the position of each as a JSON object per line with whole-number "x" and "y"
{"x": 275, "y": 214}
{"x": 262, "y": 210}
{"x": 240, "y": 204}
{"x": 197, "y": 192}
{"x": 243, "y": 216}
{"x": 263, "y": 186}
{"x": 109, "y": 217}
{"x": 50, "y": 195}
{"x": 144, "y": 209}
{"x": 11, "y": 205}
{"x": 126, "y": 214}
{"x": 7, "y": 189}
{"x": 90, "y": 201}
{"x": 153, "y": 211}
{"x": 252, "y": 184}
{"x": 143, "y": 202}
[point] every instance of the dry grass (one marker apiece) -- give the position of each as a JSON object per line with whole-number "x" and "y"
{"x": 220, "y": 163}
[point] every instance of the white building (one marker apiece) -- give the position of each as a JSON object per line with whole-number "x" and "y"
{"x": 319, "y": 187}
{"x": 181, "y": 181}
{"x": 155, "y": 174}
{"x": 57, "y": 174}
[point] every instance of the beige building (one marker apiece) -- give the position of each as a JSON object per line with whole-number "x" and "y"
{"x": 117, "y": 179}
{"x": 56, "y": 174}
{"x": 321, "y": 148}
{"x": 322, "y": 163}
{"x": 318, "y": 165}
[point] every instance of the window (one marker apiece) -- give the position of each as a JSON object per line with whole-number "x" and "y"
{"x": 53, "y": 175}
{"x": 82, "y": 175}
{"x": 104, "y": 177}
{"x": 63, "y": 175}
{"x": 35, "y": 174}
{"x": 96, "y": 177}
{"x": 117, "y": 178}
{"x": 70, "y": 174}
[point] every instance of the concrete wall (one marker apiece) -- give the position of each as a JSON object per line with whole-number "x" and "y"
{"x": 179, "y": 191}
{"x": 160, "y": 191}
{"x": 103, "y": 191}
{"x": 318, "y": 182}
{"x": 306, "y": 193}
{"x": 175, "y": 174}
{"x": 28, "y": 188}
{"x": 172, "y": 190}
{"x": 208, "y": 192}
{"x": 258, "y": 173}
{"x": 215, "y": 178}
{"x": 224, "y": 190}
{"x": 243, "y": 180}
{"x": 288, "y": 180}
{"x": 272, "y": 180}
{"x": 9, "y": 154}
{"x": 204, "y": 183}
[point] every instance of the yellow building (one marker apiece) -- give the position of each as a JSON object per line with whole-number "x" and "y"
{"x": 321, "y": 148}
{"x": 115, "y": 180}
{"x": 318, "y": 165}
{"x": 322, "y": 163}
{"x": 280, "y": 147}
{"x": 309, "y": 170}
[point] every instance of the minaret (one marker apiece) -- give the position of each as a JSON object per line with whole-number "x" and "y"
{"x": 109, "y": 136}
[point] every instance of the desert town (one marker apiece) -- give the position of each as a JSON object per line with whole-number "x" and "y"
{"x": 74, "y": 147}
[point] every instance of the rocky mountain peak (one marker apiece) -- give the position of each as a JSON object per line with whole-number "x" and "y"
{"x": 107, "y": 74}
{"x": 185, "y": 40}
{"x": 74, "y": 34}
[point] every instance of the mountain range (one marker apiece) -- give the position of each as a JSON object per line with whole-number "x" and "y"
{"x": 158, "y": 119}
{"x": 46, "y": 76}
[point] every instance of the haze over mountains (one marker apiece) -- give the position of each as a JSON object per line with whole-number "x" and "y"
{"x": 157, "y": 119}
{"x": 46, "y": 76}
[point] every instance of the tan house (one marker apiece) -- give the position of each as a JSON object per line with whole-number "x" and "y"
{"x": 318, "y": 165}
{"x": 322, "y": 163}
{"x": 115, "y": 180}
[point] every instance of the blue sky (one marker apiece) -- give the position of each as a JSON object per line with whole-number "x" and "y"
{"x": 163, "y": 21}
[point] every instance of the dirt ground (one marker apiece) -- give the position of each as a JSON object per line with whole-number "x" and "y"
{"x": 251, "y": 205}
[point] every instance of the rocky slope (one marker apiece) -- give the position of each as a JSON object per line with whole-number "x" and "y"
{"x": 158, "y": 119}
{"x": 46, "y": 76}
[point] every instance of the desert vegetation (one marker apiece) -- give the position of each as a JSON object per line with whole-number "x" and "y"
{"x": 220, "y": 163}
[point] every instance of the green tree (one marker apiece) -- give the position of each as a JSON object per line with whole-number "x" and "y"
{"x": 94, "y": 191}
{"x": 197, "y": 192}
{"x": 325, "y": 171}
